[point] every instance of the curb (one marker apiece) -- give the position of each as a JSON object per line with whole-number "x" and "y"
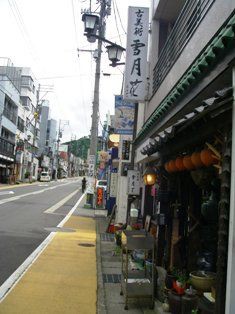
{"x": 12, "y": 186}
{"x": 101, "y": 304}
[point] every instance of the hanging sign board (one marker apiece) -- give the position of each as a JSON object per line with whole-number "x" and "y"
{"x": 133, "y": 182}
{"x": 126, "y": 150}
{"x": 124, "y": 116}
{"x": 136, "y": 54}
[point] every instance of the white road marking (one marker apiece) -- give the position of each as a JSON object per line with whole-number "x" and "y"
{"x": 10, "y": 283}
{"x": 60, "y": 203}
{"x": 11, "y": 199}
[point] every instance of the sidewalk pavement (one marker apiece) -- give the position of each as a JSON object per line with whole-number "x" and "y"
{"x": 77, "y": 272}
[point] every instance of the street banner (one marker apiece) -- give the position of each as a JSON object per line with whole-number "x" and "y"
{"x": 133, "y": 182}
{"x": 99, "y": 197}
{"x": 124, "y": 116}
{"x": 136, "y": 54}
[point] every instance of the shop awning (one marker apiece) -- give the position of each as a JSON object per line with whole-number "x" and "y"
{"x": 220, "y": 99}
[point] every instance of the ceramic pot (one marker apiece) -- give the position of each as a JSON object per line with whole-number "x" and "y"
{"x": 202, "y": 280}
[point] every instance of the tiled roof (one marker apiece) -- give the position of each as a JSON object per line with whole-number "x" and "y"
{"x": 207, "y": 105}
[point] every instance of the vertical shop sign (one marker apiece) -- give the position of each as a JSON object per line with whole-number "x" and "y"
{"x": 113, "y": 184}
{"x": 126, "y": 150}
{"x": 136, "y": 54}
{"x": 91, "y": 165}
{"x": 133, "y": 182}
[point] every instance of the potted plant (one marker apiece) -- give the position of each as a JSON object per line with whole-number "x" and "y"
{"x": 180, "y": 283}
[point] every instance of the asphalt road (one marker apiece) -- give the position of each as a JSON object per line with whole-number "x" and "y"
{"x": 27, "y": 215}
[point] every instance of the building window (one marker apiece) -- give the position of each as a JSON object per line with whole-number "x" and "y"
{"x": 27, "y": 81}
{"x": 6, "y": 134}
{"x": 26, "y": 101}
{"x": 10, "y": 110}
{"x": 20, "y": 124}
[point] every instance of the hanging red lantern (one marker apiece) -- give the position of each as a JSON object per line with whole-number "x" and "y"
{"x": 188, "y": 162}
{"x": 179, "y": 164}
{"x": 172, "y": 166}
{"x": 207, "y": 157}
{"x": 166, "y": 166}
{"x": 196, "y": 160}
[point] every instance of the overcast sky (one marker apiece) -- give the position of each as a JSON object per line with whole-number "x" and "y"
{"x": 45, "y": 35}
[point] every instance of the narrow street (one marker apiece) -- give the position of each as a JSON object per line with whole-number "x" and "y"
{"x": 28, "y": 215}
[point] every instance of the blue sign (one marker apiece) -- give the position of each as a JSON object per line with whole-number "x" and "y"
{"x": 124, "y": 116}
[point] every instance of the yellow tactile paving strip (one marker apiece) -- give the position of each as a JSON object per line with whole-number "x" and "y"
{"x": 64, "y": 277}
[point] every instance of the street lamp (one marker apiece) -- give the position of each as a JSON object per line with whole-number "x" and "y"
{"x": 91, "y": 23}
{"x": 115, "y": 54}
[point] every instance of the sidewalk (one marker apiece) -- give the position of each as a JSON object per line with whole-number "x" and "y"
{"x": 110, "y": 262}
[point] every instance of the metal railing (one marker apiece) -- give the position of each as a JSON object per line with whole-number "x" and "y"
{"x": 6, "y": 148}
{"x": 190, "y": 17}
{"x": 11, "y": 115}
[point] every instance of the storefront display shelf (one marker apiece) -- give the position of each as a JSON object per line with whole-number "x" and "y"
{"x": 137, "y": 283}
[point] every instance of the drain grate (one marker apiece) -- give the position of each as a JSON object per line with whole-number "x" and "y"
{"x": 111, "y": 278}
{"x": 108, "y": 237}
{"x": 86, "y": 244}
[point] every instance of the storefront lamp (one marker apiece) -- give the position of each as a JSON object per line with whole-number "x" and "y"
{"x": 149, "y": 176}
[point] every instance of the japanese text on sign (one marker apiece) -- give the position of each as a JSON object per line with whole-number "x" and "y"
{"x": 133, "y": 182}
{"x": 136, "y": 54}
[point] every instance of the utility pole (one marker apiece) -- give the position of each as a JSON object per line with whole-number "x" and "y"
{"x": 36, "y": 115}
{"x": 95, "y": 104}
{"x": 62, "y": 123}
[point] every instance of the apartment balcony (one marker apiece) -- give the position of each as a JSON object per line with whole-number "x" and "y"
{"x": 26, "y": 102}
{"x": 6, "y": 148}
{"x": 197, "y": 24}
{"x": 10, "y": 115}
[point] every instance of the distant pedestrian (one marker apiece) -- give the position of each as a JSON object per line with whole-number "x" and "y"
{"x": 83, "y": 184}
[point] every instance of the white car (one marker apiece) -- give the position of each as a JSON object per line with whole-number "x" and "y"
{"x": 101, "y": 184}
{"x": 45, "y": 177}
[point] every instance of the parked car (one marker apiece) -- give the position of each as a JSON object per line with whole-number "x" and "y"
{"x": 45, "y": 176}
{"x": 101, "y": 184}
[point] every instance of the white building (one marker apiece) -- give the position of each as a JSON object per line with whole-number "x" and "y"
{"x": 10, "y": 77}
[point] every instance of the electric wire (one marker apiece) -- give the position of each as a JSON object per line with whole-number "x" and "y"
{"x": 74, "y": 23}
{"x": 21, "y": 25}
{"x": 115, "y": 17}
{"x": 120, "y": 17}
